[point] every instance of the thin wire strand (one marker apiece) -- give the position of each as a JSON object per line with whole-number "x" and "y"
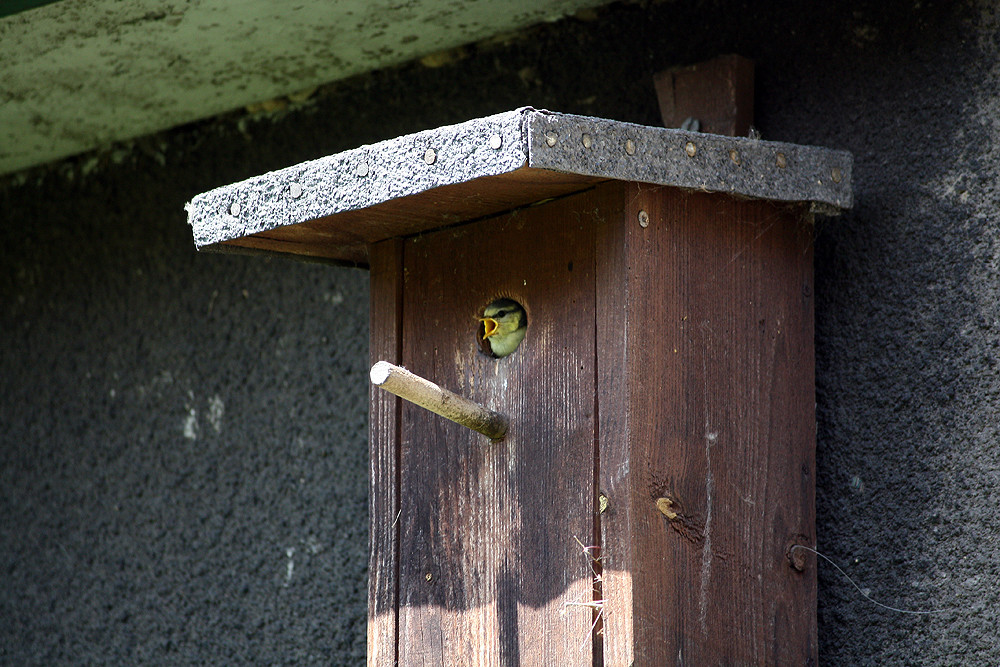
{"x": 865, "y": 595}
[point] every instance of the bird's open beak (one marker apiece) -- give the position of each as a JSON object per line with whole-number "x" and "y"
{"x": 490, "y": 326}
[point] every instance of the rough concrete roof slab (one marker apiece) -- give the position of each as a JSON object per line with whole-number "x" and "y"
{"x": 334, "y": 207}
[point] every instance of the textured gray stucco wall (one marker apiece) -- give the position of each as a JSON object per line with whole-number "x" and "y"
{"x": 183, "y": 436}
{"x": 183, "y": 448}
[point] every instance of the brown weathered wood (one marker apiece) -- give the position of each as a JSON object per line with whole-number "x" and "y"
{"x": 613, "y": 387}
{"x": 718, "y": 93}
{"x": 490, "y": 570}
{"x": 707, "y": 436}
{"x": 700, "y": 325}
{"x": 383, "y": 441}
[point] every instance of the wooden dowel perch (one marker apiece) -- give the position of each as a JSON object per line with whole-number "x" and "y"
{"x": 449, "y": 405}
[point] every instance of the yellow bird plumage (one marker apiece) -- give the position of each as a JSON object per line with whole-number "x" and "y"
{"x": 504, "y": 326}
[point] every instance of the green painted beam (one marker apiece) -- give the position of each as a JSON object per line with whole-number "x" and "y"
{"x": 82, "y": 74}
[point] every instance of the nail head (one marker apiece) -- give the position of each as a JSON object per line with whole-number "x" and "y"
{"x": 836, "y": 175}
{"x": 690, "y": 149}
{"x": 587, "y": 141}
{"x": 234, "y": 209}
{"x": 734, "y": 156}
{"x": 781, "y": 161}
{"x": 630, "y": 147}
{"x": 643, "y": 219}
{"x": 496, "y": 141}
{"x": 551, "y": 138}
{"x": 430, "y": 156}
{"x": 295, "y": 190}
{"x": 362, "y": 169}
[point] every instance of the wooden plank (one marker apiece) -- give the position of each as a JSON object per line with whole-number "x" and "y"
{"x": 707, "y": 429}
{"x": 307, "y": 248}
{"x": 344, "y": 237}
{"x": 383, "y": 441}
{"x": 718, "y": 93}
{"x": 613, "y": 386}
{"x": 491, "y": 572}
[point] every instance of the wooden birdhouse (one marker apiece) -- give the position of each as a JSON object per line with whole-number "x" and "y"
{"x": 649, "y": 466}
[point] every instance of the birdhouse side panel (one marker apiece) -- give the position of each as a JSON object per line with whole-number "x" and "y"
{"x": 707, "y": 429}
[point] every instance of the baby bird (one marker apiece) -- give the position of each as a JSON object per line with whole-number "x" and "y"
{"x": 504, "y": 325}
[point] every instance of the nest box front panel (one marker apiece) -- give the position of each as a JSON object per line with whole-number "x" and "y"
{"x": 490, "y": 532}
{"x": 661, "y": 403}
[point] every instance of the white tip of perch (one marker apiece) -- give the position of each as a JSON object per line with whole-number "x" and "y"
{"x": 380, "y": 372}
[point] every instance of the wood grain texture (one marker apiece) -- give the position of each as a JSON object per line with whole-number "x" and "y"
{"x": 612, "y": 283}
{"x": 346, "y": 236}
{"x": 717, "y": 92}
{"x": 383, "y": 440}
{"x": 674, "y": 362}
{"x": 490, "y": 570}
{"x": 706, "y": 393}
